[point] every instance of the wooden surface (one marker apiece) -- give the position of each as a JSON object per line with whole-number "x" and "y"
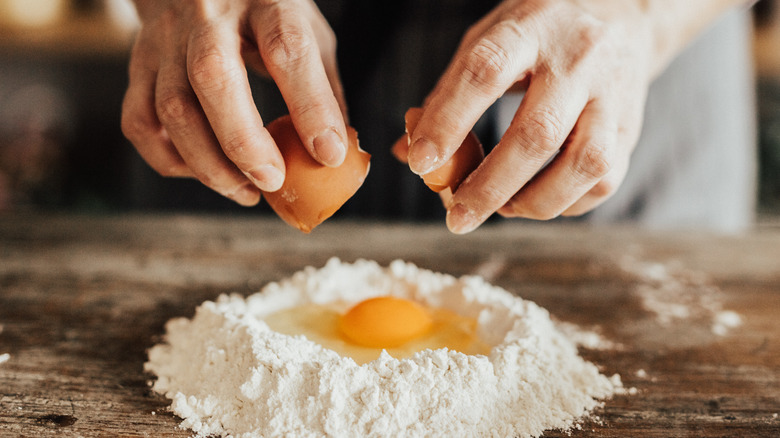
{"x": 82, "y": 299}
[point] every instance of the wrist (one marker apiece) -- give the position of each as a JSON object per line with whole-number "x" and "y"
{"x": 674, "y": 24}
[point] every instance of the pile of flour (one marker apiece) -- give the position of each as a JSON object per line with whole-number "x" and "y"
{"x": 227, "y": 373}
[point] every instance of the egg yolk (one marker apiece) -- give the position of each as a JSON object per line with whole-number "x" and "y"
{"x": 379, "y": 322}
{"x": 384, "y": 322}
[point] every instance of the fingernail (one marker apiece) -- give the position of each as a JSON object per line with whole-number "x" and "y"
{"x": 461, "y": 220}
{"x": 246, "y": 195}
{"x": 423, "y": 156}
{"x": 267, "y": 177}
{"x": 330, "y": 148}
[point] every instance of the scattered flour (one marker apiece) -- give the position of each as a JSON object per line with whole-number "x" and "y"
{"x": 725, "y": 320}
{"x": 5, "y": 356}
{"x": 674, "y": 294}
{"x": 590, "y": 339}
{"x": 228, "y": 374}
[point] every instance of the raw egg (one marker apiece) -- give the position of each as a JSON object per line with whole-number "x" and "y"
{"x": 312, "y": 192}
{"x": 384, "y": 322}
{"x": 363, "y": 330}
{"x": 465, "y": 159}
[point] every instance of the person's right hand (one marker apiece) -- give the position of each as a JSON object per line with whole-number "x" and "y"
{"x": 189, "y": 111}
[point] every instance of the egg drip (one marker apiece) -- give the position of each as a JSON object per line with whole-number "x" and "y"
{"x": 399, "y": 326}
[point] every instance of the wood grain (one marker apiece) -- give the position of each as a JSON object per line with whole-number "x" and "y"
{"x": 82, "y": 299}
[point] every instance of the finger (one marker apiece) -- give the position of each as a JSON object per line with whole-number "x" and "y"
{"x": 332, "y": 72}
{"x": 446, "y": 197}
{"x": 219, "y": 79}
{"x": 587, "y": 158}
{"x": 544, "y": 120}
{"x": 327, "y": 44}
{"x": 602, "y": 191}
{"x": 179, "y": 111}
{"x": 629, "y": 130}
{"x": 251, "y": 55}
{"x": 292, "y": 56}
{"x": 139, "y": 120}
{"x": 478, "y": 75}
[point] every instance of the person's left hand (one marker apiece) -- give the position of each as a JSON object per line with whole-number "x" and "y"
{"x": 586, "y": 67}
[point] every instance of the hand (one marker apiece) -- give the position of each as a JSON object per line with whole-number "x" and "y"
{"x": 188, "y": 109}
{"x": 586, "y": 66}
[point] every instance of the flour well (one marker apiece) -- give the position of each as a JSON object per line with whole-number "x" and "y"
{"x": 228, "y": 373}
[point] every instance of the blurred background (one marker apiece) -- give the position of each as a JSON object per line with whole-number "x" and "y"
{"x": 63, "y": 74}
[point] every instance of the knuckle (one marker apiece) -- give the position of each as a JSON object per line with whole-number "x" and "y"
{"x": 491, "y": 197}
{"x": 287, "y": 46}
{"x": 592, "y": 35}
{"x": 542, "y": 133}
{"x": 173, "y": 107}
{"x": 211, "y": 68}
{"x": 135, "y": 126}
{"x": 237, "y": 144}
{"x": 487, "y": 65}
{"x": 594, "y": 162}
{"x": 594, "y": 46}
{"x": 308, "y": 108}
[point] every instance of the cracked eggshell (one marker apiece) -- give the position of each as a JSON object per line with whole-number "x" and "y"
{"x": 312, "y": 192}
{"x": 465, "y": 159}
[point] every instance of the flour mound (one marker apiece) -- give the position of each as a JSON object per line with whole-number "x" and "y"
{"x": 227, "y": 373}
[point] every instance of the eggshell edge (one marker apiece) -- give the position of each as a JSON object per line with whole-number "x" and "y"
{"x": 284, "y": 204}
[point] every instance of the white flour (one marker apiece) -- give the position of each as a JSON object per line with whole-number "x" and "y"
{"x": 674, "y": 294}
{"x": 5, "y": 357}
{"x": 229, "y": 374}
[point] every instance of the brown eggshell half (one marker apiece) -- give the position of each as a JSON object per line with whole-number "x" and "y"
{"x": 312, "y": 192}
{"x": 465, "y": 159}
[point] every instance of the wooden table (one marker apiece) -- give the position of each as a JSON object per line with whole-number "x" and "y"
{"x": 83, "y": 298}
